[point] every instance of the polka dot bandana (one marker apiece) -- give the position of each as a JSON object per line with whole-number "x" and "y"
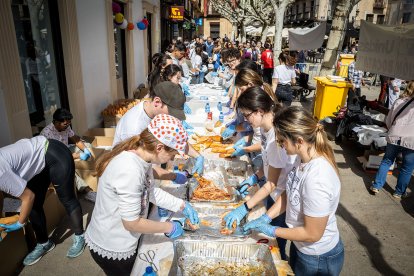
{"x": 169, "y": 131}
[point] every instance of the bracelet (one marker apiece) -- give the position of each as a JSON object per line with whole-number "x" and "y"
{"x": 247, "y": 208}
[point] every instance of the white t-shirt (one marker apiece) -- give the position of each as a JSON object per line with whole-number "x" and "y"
{"x": 275, "y": 156}
{"x": 125, "y": 189}
{"x": 50, "y": 132}
{"x": 196, "y": 61}
{"x": 134, "y": 122}
{"x": 20, "y": 162}
{"x": 284, "y": 74}
{"x": 313, "y": 189}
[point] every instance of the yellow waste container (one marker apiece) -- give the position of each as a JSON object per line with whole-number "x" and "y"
{"x": 330, "y": 96}
{"x": 344, "y": 61}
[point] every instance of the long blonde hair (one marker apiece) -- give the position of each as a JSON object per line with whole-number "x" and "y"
{"x": 294, "y": 122}
{"x": 409, "y": 90}
{"x": 248, "y": 76}
{"x": 145, "y": 140}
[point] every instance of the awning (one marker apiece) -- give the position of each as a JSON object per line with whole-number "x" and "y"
{"x": 307, "y": 38}
{"x": 386, "y": 50}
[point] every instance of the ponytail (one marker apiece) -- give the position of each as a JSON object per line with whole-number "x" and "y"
{"x": 268, "y": 89}
{"x": 294, "y": 122}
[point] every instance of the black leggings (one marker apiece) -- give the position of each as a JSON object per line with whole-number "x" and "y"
{"x": 60, "y": 171}
{"x": 115, "y": 267}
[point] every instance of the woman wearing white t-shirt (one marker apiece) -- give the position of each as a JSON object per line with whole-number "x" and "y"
{"x": 311, "y": 199}
{"x": 197, "y": 63}
{"x": 257, "y": 107}
{"x": 126, "y": 186}
{"x": 284, "y": 76}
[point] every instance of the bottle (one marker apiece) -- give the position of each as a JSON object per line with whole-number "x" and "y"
{"x": 149, "y": 271}
{"x": 207, "y": 108}
{"x": 219, "y": 106}
{"x": 221, "y": 117}
{"x": 162, "y": 212}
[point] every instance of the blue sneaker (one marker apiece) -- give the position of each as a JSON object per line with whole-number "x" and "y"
{"x": 39, "y": 251}
{"x": 77, "y": 247}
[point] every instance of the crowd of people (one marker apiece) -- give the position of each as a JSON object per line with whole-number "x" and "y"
{"x": 293, "y": 162}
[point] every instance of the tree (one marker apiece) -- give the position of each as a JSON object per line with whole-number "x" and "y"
{"x": 279, "y": 8}
{"x": 336, "y": 35}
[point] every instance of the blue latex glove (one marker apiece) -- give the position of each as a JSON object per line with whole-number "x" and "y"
{"x": 254, "y": 223}
{"x": 229, "y": 132}
{"x": 191, "y": 214}
{"x": 214, "y": 74}
{"x": 238, "y": 151}
{"x": 12, "y": 227}
{"x": 229, "y": 112}
{"x": 180, "y": 178}
{"x": 241, "y": 143}
{"x": 187, "y": 109}
{"x": 199, "y": 166}
{"x": 176, "y": 231}
{"x": 235, "y": 216}
{"x": 246, "y": 184}
{"x": 228, "y": 103}
{"x": 247, "y": 126}
{"x": 185, "y": 89}
{"x": 264, "y": 228}
{"x": 186, "y": 125}
{"x": 85, "y": 155}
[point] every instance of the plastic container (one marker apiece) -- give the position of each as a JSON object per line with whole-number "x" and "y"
{"x": 207, "y": 108}
{"x": 162, "y": 212}
{"x": 343, "y": 63}
{"x": 149, "y": 271}
{"x": 219, "y": 106}
{"x": 221, "y": 117}
{"x": 330, "y": 97}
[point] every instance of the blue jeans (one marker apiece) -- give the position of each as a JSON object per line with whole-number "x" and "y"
{"x": 329, "y": 263}
{"x": 406, "y": 169}
{"x": 284, "y": 94}
{"x": 281, "y": 222}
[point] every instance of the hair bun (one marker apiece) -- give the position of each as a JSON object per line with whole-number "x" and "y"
{"x": 319, "y": 127}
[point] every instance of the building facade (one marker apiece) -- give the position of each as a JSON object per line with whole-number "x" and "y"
{"x": 69, "y": 53}
{"x": 400, "y": 12}
{"x": 305, "y": 12}
{"x": 214, "y": 25}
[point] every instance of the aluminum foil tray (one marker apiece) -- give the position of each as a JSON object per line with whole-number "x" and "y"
{"x": 210, "y": 226}
{"x": 232, "y": 168}
{"x": 222, "y": 258}
{"x": 221, "y": 180}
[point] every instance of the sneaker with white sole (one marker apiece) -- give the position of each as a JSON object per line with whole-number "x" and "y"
{"x": 374, "y": 190}
{"x": 37, "y": 253}
{"x": 77, "y": 247}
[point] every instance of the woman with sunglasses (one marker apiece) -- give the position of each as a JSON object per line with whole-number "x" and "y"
{"x": 126, "y": 187}
{"x": 257, "y": 107}
{"x": 311, "y": 199}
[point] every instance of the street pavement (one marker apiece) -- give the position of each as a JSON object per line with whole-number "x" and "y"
{"x": 377, "y": 231}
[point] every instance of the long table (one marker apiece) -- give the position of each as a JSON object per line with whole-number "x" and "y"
{"x": 159, "y": 243}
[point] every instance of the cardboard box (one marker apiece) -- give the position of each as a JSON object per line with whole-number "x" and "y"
{"x": 13, "y": 249}
{"x": 90, "y": 163}
{"x": 89, "y": 177}
{"x": 54, "y": 210}
{"x": 102, "y": 141}
{"x": 107, "y": 132}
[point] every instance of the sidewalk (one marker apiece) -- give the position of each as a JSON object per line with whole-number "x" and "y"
{"x": 377, "y": 231}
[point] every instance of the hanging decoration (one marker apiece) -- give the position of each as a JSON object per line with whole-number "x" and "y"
{"x": 124, "y": 24}
{"x": 116, "y": 8}
{"x": 143, "y": 24}
{"x": 130, "y": 26}
{"x": 119, "y": 18}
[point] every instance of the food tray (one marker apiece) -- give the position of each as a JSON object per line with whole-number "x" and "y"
{"x": 221, "y": 258}
{"x": 231, "y": 167}
{"x": 211, "y": 223}
{"x": 220, "y": 179}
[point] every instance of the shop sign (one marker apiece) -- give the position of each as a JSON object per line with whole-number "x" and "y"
{"x": 177, "y": 13}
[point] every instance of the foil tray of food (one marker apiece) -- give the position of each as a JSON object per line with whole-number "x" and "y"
{"x": 212, "y": 227}
{"x": 221, "y": 258}
{"x": 212, "y": 187}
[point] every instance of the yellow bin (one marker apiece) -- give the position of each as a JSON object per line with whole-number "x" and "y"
{"x": 344, "y": 61}
{"x": 330, "y": 96}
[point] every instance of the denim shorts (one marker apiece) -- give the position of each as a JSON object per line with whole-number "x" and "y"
{"x": 284, "y": 94}
{"x": 329, "y": 263}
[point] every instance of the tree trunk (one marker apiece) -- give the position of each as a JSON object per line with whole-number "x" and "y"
{"x": 233, "y": 31}
{"x": 242, "y": 33}
{"x": 277, "y": 48}
{"x": 336, "y": 36}
{"x": 263, "y": 35}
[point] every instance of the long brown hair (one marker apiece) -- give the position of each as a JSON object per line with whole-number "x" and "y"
{"x": 409, "y": 90}
{"x": 145, "y": 140}
{"x": 294, "y": 122}
{"x": 248, "y": 76}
